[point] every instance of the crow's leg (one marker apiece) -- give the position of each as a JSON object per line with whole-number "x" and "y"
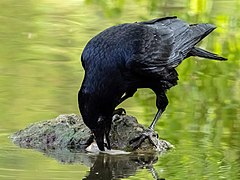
{"x": 161, "y": 103}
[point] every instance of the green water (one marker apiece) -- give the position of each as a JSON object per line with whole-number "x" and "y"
{"x": 40, "y": 74}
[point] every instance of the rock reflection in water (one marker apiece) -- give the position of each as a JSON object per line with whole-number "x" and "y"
{"x": 105, "y": 166}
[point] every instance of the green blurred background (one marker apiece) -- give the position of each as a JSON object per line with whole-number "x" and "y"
{"x": 40, "y": 74}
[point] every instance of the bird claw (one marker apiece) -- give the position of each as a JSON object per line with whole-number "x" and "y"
{"x": 147, "y": 134}
{"x": 119, "y": 111}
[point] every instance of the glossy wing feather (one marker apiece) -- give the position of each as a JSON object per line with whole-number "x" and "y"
{"x": 166, "y": 43}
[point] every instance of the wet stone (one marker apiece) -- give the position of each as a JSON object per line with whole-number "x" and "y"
{"x": 69, "y": 131}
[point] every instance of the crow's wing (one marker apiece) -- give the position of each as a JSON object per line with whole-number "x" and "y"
{"x": 165, "y": 43}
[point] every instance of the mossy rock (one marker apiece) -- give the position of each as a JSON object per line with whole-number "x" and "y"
{"x": 69, "y": 131}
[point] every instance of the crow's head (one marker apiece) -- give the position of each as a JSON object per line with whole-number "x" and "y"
{"x": 93, "y": 117}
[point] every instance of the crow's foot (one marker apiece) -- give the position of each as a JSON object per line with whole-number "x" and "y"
{"x": 147, "y": 134}
{"x": 119, "y": 111}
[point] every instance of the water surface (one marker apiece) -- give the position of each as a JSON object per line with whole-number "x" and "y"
{"x": 40, "y": 74}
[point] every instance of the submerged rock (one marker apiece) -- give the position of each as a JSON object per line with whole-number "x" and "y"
{"x": 69, "y": 131}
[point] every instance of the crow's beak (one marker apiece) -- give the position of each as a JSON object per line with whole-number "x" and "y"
{"x": 99, "y": 137}
{"x": 102, "y": 129}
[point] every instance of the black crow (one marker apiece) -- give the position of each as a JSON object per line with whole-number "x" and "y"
{"x": 129, "y": 56}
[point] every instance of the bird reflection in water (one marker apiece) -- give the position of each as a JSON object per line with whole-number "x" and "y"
{"x": 116, "y": 167}
{"x": 105, "y": 166}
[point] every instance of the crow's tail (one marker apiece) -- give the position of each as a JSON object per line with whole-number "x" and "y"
{"x": 205, "y": 54}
